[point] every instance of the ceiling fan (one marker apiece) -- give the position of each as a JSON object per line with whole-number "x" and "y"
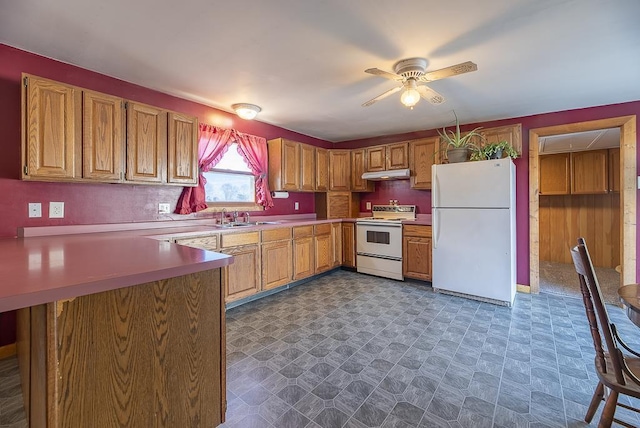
{"x": 412, "y": 75}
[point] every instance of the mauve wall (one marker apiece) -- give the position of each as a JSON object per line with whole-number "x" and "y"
{"x": 102, "y": 203}
{"x": 401, "y": 190}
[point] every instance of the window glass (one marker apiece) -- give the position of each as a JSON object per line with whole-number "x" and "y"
{"x": 230, "y": 181}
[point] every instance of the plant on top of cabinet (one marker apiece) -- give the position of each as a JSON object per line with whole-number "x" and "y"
{"x": 495, "y": 151}
{"x": 457, "y": 144}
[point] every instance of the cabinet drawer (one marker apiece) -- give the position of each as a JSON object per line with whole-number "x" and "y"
{"x": 323, "y": 229}
{"x": 236, "y": 239}
{"x": 414, "y": 230}
{"x": 302, "y": 231}
{"x": 276, "y": 234}
{"x": 205, "y": 242}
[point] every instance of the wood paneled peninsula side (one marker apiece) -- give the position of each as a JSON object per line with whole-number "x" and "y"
{"x": 117, "y": 329}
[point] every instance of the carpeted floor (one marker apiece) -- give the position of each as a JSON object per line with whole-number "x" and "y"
{"x": 561, "y": 278}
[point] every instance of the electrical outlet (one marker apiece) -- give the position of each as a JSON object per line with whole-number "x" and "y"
{"x": 296, "y": 206}
{"x": 164, "y": 208}
{"x": 369, "y": 205}
{"x": 56, "y": 209}
{"x": 35, "y": 209}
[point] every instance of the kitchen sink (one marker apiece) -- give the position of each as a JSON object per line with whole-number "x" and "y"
{"x": 252, "y": 223}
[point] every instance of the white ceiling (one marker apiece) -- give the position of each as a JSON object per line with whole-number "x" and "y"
{"x": 303, "y": 62}
{"x": 580, "y": 141}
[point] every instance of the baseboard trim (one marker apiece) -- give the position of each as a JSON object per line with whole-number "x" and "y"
{"x": 7, "y": 350}
{"x": 523, "y": 288}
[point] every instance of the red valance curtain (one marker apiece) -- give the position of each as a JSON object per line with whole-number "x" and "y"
{"x": 212, "y": 145}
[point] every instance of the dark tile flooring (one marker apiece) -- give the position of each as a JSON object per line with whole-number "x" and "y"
{"x": 360, "y": 351}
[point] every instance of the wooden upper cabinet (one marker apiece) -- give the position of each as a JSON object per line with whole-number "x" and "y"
{"x": 322, "y": 170}
{"x": 614, "y": 170}
{"x": 339, "y": 170}
{"x": 589, "y": 172}
{"x": 422, "y": 155}
{"x": 103, "y": 140}
{"x": 554, "y": 174}
{"x": 51, "y": 130}
{"x": 182, "y": 144}
{"x": 376, "y": 158}
{"x": 307, "y": 168}
{"x": 284, "y": 165}
{"x": 397, "y": 156}
{"x": 146, "y": 143}
{"x": 511, "y": 134}
{"x": 358, "y": 167}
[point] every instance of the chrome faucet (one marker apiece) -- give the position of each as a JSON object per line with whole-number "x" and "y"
{"x": 223, "y": 216}
{"x": 235, "y": 216}
{"x": 246, "y": 216}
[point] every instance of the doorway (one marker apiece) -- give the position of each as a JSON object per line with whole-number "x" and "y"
{"x": 626, "y": 126}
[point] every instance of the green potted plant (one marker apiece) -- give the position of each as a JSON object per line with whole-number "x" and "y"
{"x": 457, "y": 145}
{"x": 494, "y": 151}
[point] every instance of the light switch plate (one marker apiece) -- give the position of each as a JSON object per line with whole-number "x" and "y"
{"x": 56, "y": 209}
{"x": 164, "y": 208}
{"x": 638, "y": 182}
{"x": 368, "y": 205}
{"x": 35, "y": 209}
{"x": 296, "y": 206}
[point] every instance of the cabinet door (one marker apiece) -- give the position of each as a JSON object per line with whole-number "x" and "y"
{"x": 553, "y": 174}
{"x": 348, "y": 245}
{"x": 589, "y": 172}
{"x": 511, "y": 134}
{"x": 303, "y": 257}
{"x": 290, "y": 165}
{"x": 307, "y": 168}
{"x": 322, "y": 170}
{"x": 146, "y": 143}
{"x": 182, "y": 157}
{"x": 398, "y": 156}
{"x": 336, "y": 237}
{"x": 339, "y": 170}
{"x": 323, "y": 253}
{"x": 242, "y": 277}
{"x": 416, "y": 258}
{"x": 103, "y": 141}
{"x": 339, "y": 204}
{"x": 422, "y": 157}
{"x": 614, "y": 170}
{"x": 276, "y": 264}
{"x": 51, "y": 130}
{"x": 376, "y": 158}
{"x": 357, "y": 169}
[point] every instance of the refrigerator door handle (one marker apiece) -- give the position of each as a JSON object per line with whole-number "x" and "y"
{"x": 434, "y": 227}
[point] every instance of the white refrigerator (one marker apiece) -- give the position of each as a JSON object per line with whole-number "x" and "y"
{"x": 474, "y": 229}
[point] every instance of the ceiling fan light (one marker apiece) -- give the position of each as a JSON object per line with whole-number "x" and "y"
{"x": 246, "y": 111}
{"x": 410, "y": 97}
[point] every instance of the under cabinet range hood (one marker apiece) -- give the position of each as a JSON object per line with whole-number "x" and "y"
{"x": 394, "y": 174}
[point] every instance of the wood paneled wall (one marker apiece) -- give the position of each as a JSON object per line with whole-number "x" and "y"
{"x": 564, "y": 218}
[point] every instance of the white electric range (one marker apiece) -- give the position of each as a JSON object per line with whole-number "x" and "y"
{"x": 379, "y": 240}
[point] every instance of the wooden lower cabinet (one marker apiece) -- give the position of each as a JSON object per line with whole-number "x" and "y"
{"x": 242, "y": 277}
{"x": 119, "y": 358}
{"x": 349, "y": 245}
{"x": 336, "y": 238}
{"x": 416, "y": 252}
{"x": 323, "y": 247}
{"x": 276, "y": 264}
{"x": 303, "y": 257}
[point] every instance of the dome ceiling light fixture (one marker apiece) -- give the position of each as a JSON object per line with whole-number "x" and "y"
{"x": 246, "y": 111}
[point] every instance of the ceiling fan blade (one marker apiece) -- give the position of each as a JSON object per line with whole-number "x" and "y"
{"x": 454, "y": 70}
{"x": 430, "y": 95}
{"x": 385, "y": 74}
{"x": 382, "y": 95}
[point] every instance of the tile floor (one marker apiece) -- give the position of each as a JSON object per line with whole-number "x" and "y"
{"x": 359, "y": 351}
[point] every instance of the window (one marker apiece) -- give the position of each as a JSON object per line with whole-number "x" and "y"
{"x": 231, "y": 184}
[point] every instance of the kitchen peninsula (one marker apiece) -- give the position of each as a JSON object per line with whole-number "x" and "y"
{"x": 117, "y": 329}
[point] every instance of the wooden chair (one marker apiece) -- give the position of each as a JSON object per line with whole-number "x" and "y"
{"x": 618, "y": 372}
